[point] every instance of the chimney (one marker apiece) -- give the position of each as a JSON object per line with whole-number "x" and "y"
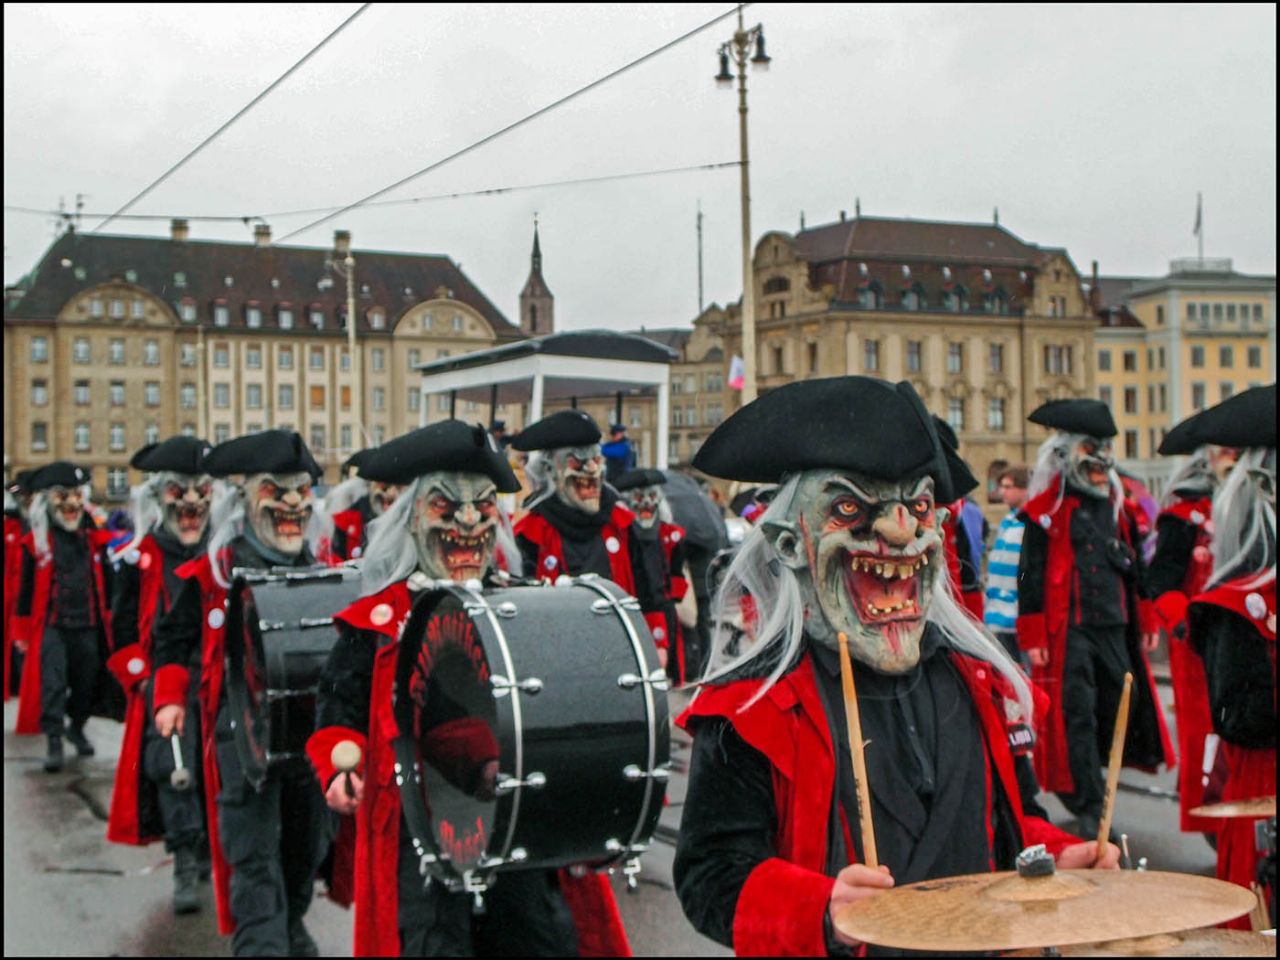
{"x": 341, "y": 242}
{"x": 1095, "y": 294}
{"x": 261, "y": 235}
{"x": 842, "y": 216}
{"x": 179, "y": 230}
{"x": 857, "y": 206}
{"x": 995, "y": 216}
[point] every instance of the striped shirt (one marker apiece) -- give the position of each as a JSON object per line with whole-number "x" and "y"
{"x": 1001, "y": 612}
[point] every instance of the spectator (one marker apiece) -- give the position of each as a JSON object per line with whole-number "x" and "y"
{"x": 619, "y": 458}
{"x": 499, "y": 432}
{"x": 1001, "y": 614}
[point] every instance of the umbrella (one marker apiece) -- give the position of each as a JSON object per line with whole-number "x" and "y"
{"x": 692, "y": 509}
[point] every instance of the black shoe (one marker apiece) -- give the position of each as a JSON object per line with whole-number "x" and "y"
{"x": 186, "y": 870}
{"x": 78, "y": 740}
{"x": 300, "y": 942}
{"x": 53, "y": 762}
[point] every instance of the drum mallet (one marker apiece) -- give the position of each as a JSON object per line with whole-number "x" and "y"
{"x": 1113, "y": 767}
{"x": 854, "y": 721}
{"x": 345, "y": 757}
{"x": 180, "y": 779}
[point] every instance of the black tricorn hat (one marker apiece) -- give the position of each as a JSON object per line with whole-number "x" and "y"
{"x": 60, "y": 473}
{"x": 180, "y": 454}
{"x": 565, "y": 428}
{"x": 21, "y": 482}
{"x": 356, "y": 460}
{"x": 1182, "y": 438}
{"x": 271, "y": 451}
{"x": 962, "y": 478}
{"x": 449, "y": 445}
{"x": 640, "y": 478}
{"x": 1246, "y": 420}
{"x": 852, "y": 423}
{"x": 1090, "y": 417}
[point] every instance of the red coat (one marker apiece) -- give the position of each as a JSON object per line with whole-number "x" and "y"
{"x": 31, "y": 628}
{"x": 377, "y": 818}
{"x": 1047, "y": 629}
{"x": 671, "y": 536}
{"x": 1186, "y": 669}
{"x": 351, "y": 523}
{"x": 1250, "y": 772}
{"x": 781, "y": 907}
{"x": 14, "y": 530}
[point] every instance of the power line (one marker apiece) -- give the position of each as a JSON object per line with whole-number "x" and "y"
{"x": 519, "y": 123}
{"x": 249, "y": 106}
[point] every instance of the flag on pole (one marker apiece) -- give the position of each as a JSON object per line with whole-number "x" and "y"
{"x": 737, "y": 374}
{"x": 1195, "y": 231}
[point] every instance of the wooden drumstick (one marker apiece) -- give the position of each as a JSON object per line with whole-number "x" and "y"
{"x": 345, "y": 757}
{"x": 1113, "y": 767}
{"x": 854, "y": 721}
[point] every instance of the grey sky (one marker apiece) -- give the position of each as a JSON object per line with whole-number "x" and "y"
{"x": 1091, "y": 128}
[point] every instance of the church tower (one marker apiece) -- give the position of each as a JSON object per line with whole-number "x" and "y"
{"x": 537, "y": 305}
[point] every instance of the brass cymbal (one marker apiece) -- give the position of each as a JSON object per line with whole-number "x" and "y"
{"x": 1193, "y": 943}
{"x": 1253, "y": 807}
{"x": 1003, "y": 911}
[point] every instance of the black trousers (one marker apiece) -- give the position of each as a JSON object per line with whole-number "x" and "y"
{"x": 68, "y": 674}
{"x": 181, "y": 811}
{"x": 1097, "y": 658}
{"x": 274, "y": 839}
{"x": 525, "y": 915}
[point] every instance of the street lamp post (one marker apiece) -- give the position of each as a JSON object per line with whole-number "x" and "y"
{"x": 737, "y": 49}
{"x": 347, "y": 270}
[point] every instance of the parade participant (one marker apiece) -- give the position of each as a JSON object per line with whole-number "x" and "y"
{"x": 645, "y": 497}
{"x": 446, "y": 526}
{"x": 267, "y": 843}
{"x": 62, "y": 621}
{"x": 17, "y": 497}
{"x": 170, "y": 519}
{"x": 1180, "y": 568}
{"x": 770, "y": 844}
{"x": 353, "y": 505}
{"x": 964, "y": 532}
{"x": 576, "y": 525}
{"x": 1233, "y": 623}
{"x": 1083, "y": 617}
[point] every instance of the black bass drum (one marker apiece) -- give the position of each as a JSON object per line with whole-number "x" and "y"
{"x": 279, "y": 634}
{"x": 533, "y": 729}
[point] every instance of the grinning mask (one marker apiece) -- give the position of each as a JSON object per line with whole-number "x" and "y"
{"x": 66, "y": 507}
{"x": 455, "y": 525}
{"x": 644, "y": 503}
{"x": 279, "y": 508}
{"x": 1221, "y": 460}
{"x": 579, "y": 474}
{"x": 185, "y": 501}
{"x": 1092, "y": 463}
{"x": 867, "y": 553}
{"x": 383, "y": 495}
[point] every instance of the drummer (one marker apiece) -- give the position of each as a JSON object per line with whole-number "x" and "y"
{"x": 445, "y": 526}
{"x": 770, "y": 844}
{"x": 170, "y": 522}
{"x": 353, "y": 505}
{"x": 1233, "y": 623}
{"x": 267, "y": 843}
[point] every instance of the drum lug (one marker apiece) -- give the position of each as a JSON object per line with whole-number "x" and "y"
{"x": 658, "y": 679}
{"x": 502, "y": 686}
{"x": 506, "y": 609}
{"x": 634, "y": 773}
{"x": 631, "y": 870}
{"x": 517, "y": 855}
{"x": 477, "y": 887}
{"x": 601, "y": 606}
{"x": 475, "y": 609}
{"x": 506, "y": 784}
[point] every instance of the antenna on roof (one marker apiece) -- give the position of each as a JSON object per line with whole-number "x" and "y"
{"x": 857, "y": 206}
{"x": 699, "y": 258}
{"x": 802, "y": 220}
{"x": 80, "y": 198}
{"x": 996, "y": 216}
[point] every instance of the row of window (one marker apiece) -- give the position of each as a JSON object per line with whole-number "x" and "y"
{"x": 1156, "y": 358}
{"x": 81, "y": 351}
{"x": 117, "y": 478}
{"x": 1158, "y": 397}
{"x": 82, "y": 393}
{"x": 1203, "y": 312}
{"x": 712, "y": 414}
{"x": 956, "y": 300}
{"x": 1057, "y": 359}
{"x": 712, "y": 382}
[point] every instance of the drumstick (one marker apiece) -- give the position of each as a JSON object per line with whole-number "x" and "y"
{"x": 1113, "y": 767}
{"x": 345, "y": 757}
{"x": 180, "y": 779}
{"x": 854, "y": 721}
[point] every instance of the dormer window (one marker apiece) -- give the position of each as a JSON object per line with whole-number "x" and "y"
{"x": 253, "y": 314}
{"x": 284, "y": 316}
{"x": 317, "y": 317}
{"x": 187, "y": 310}
{"x": 777, "y": 285}
{"x": 862, "y": 269}
{"x": 275, "y": 283}
{"x": 179, "y": 279}
{"x": 946, "y": 274}
{"x": 95, "y": 306}
{"x": 364, "y": 290}
{"x": 377, "y": 319}
{"x": 221, "y": 313}
{"x": 986, "y": 276}
{"x": 228, "y": 281}
{"x": 117, "y": 309}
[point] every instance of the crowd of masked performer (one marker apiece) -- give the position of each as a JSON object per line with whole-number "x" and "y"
{"x": 972, "y": 700}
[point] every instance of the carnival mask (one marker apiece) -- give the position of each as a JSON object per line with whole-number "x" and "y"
{"x": 1221, "y": 460}
{"x": 579, "y": 474}
{"x": 455, "y": 525}
{"x": 867, "y": 553}
{"x": 279, "y": 509}
{"x": 644, "y": 503}
{"x": 66, "y": 507}
{"x": 185, "y": 501}
{"x": 382, "y": 496}
{"x": 1092, "y": 461}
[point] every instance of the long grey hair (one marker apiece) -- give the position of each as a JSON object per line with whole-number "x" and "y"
{"x": 391, "y": 554}
{"x": 38, "y": 520}
{"x": 540, "y": 474}
{"x": 1193, "y": 478}
{"x": 1244, "y": 523}
{"x": 345, "y": 494}
{"x": 226, "y": 523}
{"x": 775, "y": 641}
{"x": 1053, "y": 459}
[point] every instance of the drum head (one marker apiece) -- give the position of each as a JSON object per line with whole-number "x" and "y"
{"x": 246, "y": 682}
{"x": 444, "y": 706}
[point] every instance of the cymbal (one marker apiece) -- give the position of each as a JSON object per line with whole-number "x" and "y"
{"x": 1254, "y": 807}
{"x": 1193, "y": 943}
{"x": 1003, "y": 911}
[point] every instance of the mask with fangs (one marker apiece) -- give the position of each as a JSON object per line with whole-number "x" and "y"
{"x": 66, "y": 507}
{"x": 382, "y": 496}
{"x": 455, "y": 525}
{"x": 644, "y": 503}
{"x": 279, "y": 509}
{"x": 867, "y": 554}
{"x": 1093, "y": 463}
{"x": 185, "y": 501}
{"x": 579, "y": 473}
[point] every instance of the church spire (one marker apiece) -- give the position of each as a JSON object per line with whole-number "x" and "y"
{"x": 537, "y": 304}
{"x": 537, "y": 248}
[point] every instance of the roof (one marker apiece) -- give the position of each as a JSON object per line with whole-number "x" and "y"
{"x": 269, "y": 274}
{"x": 1113, "y": 291}
{"x": 673, "y": 337}
{"x": 598, "y": 344}
{"x": 879, "y": 237}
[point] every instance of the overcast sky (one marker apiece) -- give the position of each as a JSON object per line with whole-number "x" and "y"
{"x": 1090, "y": 128}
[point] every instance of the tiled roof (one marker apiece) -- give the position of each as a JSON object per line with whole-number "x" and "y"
{"x": 876, "y": 237}
{"x": 1113, "y": 291}
{"x": 269, "y": 274}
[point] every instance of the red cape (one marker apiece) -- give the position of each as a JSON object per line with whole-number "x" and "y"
{"x": 351, "y": 523}
{"x": 13, "y": 534}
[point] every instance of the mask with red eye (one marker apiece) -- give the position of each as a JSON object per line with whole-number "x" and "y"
{"x": 455, "y": 525}
{"x": 279, "y": 509}
{"x": 66, "y": 507}
{"x": 1092, "y": 466}
{"x": 645, "y": 503}
{"x": 382, "y": 496}
{"x": 579, "y": 476}
{"x": 184, "y": 501}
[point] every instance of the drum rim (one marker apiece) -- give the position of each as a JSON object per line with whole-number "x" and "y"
{"x": 257, "y": 765}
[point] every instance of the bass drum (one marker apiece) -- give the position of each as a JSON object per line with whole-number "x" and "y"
{"x": 533, "y": 727}
{"x": 279, "y": 634}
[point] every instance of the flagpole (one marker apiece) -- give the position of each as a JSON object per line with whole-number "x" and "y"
{"x": 1200, "y": 227}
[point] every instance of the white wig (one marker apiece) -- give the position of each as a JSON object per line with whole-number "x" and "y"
{"x": 391, "y": 554}
{"x": 1244, "y": 524}
{"x": 226, "y": 524}
{"x": 344, "y": 495}
{"x": 38, "y": 520}
{"x": 540, "y": 474}
{"x": 145, "y": 510}
{"x": 774, "y": 642}
{"x": 1053, "y": 460}
{"x": 1194, "y": 478}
